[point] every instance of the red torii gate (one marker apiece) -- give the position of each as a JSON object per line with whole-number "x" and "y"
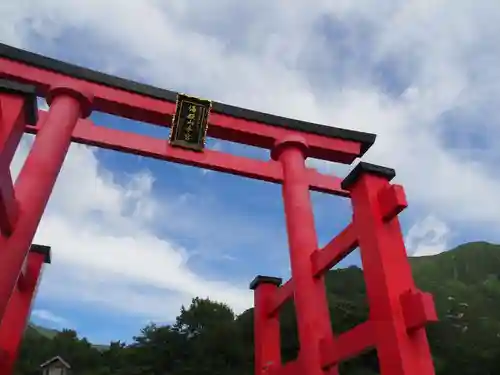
{"x": 398, "y": 310}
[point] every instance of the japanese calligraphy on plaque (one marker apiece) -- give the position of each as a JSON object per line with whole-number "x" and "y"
{"x": 190, "y": 122}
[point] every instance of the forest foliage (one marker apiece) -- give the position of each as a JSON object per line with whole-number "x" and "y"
{"x": 207, "y": 338}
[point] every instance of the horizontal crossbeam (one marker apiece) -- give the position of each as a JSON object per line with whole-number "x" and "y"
{"x": 86, "y": 132}
{"x": 283, "y": 294}
{"x": 149, "y": 104}
{"x": 336, "y": 250}
{"x": 321, "y": 261}
{"x": 348, "y": 344}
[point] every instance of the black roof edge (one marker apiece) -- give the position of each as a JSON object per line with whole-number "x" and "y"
{"x": 43, "y": 250}
{"x": 364, "y": 167}
{"x": 47, "y": 63}
{"x": 30, "y": 106}
{"x": 260, "y": 279}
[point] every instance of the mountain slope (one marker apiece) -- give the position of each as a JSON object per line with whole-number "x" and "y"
{"x": 50, "y": 333}
{"x": 465, "y": 283}
{"x": 43, "y": 331}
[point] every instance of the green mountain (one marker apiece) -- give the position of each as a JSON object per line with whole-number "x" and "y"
{"x": 208, "y": 339}
{"x": 50, "y": 333}
{"x": 43, "y": 331}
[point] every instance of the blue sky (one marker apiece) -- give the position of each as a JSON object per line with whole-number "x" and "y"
{"x": 134, "y": 239}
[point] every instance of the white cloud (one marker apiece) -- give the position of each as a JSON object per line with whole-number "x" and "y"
{"x": 103, "y": 247}
{"x": 429, "y": 236}
{"x": 49, "y": 317}
{"x": 318, "y": 63}
{"x": 438, "y": 47}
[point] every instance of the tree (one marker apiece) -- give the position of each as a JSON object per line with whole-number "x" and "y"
{"x": 208, "y": 339}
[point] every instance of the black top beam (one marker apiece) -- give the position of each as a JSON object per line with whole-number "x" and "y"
{"x": 265, "y": 280}
{"x": 39, "y": 61}
{"x": 28, "y": 92}
{"x": 364, "y": 167}
{"x": 42, "y": 249}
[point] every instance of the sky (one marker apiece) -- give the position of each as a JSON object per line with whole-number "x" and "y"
{"x": 134, "y": 239}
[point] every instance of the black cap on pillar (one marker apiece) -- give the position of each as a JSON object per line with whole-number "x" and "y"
{"x": 265, "y": 280}
{"x": 29, "y": 94}
{"x": 42, "y": 249}
{"x": 364, "y": 167}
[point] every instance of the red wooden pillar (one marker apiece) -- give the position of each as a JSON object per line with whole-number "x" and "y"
{"x": 37, "y": 178}
{"x": 267, "y": 339}
{"x": 18, "y": 310}
{"x": 397, "y": 309}
{"x": 313, "y": 318}
{"x": 17, "y": 108}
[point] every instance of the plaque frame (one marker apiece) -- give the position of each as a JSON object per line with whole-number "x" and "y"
{"x": 180, "y": 122}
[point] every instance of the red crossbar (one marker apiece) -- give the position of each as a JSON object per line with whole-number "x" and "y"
{"x": 86, "y": 132}
{"x": 282, "y": 294}
{"x": 321, "y": 261}
{"x": 157, "y": 106}
{"x": 336, "y": 250}
{"x": 348, "y": 344}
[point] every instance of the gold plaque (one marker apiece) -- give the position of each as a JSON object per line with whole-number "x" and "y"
{"x": 190, "y": 122}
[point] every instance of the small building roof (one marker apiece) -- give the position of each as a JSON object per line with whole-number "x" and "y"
{"x": 55, "y": 359}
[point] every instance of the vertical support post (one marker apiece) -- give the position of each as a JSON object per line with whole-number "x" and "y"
{"x": 16, "y": 316}
{"x": 17, "y": 108}
{"x": 313, "y": 317}
{"x": 267, "y": 336}
{"x": 37, "y": 178}
{"x": 387, "y": 274}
